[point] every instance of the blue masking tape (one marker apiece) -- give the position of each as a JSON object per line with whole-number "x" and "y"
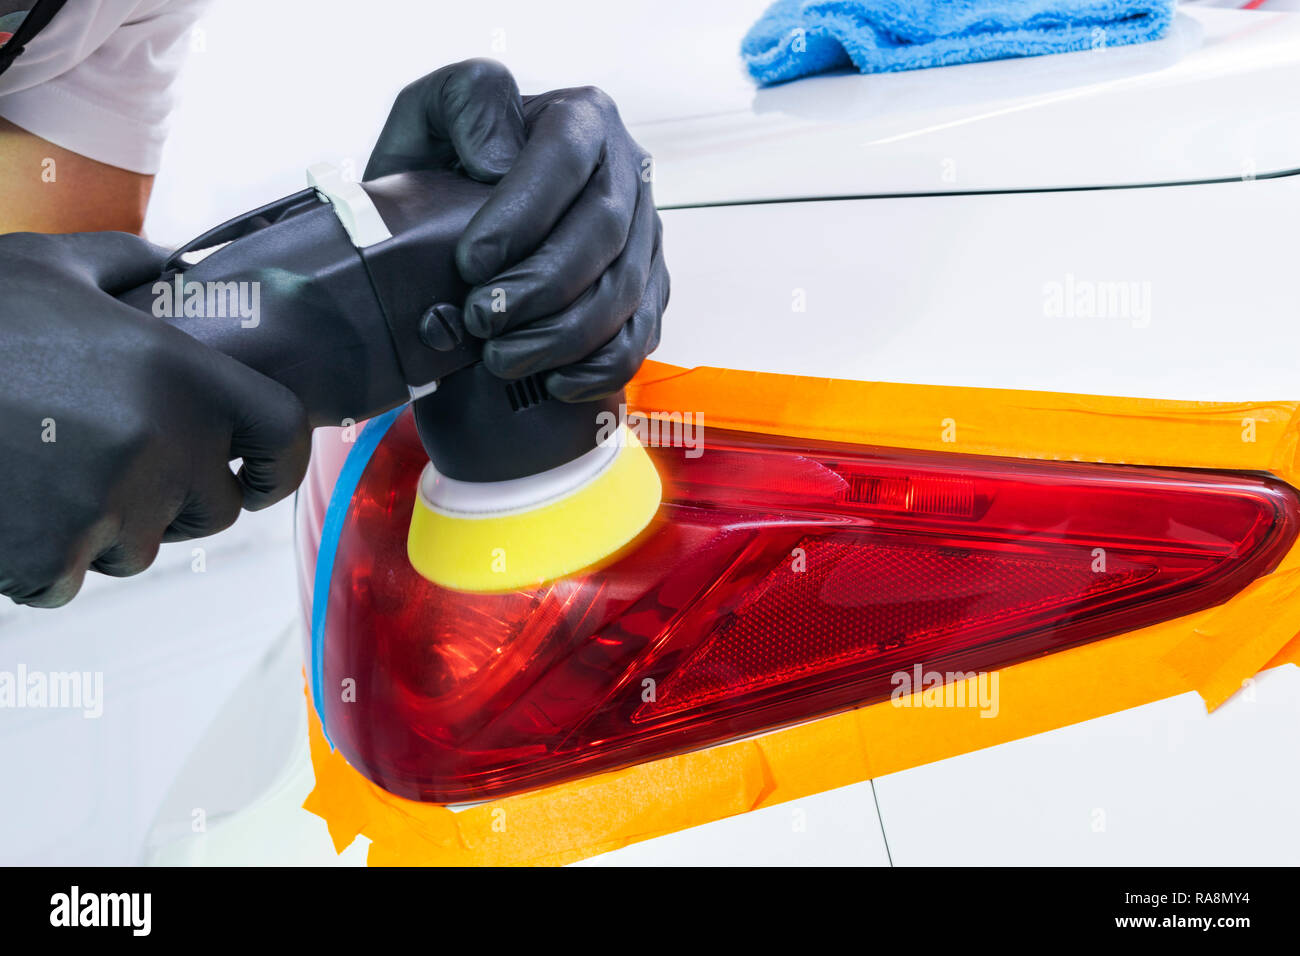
{"x": 354, "y": 466}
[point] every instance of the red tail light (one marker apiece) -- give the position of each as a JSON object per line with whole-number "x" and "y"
{"x": 783, "y": 579}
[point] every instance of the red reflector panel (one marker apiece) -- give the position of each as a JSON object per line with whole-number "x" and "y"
{"x": 782, "y": 580}
{"x": 857, "y": 600}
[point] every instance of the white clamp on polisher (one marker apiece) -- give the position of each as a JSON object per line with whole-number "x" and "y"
{"x": 346, "y": 273}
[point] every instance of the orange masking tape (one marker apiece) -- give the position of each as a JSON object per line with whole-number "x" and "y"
{"x": 1212, "y": 652}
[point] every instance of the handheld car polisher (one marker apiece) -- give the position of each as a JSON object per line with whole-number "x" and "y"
{"x": 336, "y": 284}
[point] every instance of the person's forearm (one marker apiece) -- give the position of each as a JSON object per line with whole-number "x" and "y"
{"x": 46, "y": 188}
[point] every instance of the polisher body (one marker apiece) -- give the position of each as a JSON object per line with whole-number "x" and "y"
{"x": 342, "y": 275}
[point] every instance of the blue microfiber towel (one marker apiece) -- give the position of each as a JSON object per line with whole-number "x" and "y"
{"x": 795, "y": 38}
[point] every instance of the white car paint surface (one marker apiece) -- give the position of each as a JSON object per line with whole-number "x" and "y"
{"x": 943, "y": 289}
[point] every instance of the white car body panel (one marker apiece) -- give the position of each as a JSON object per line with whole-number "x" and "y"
{"x": 1211, "y": 100}
{"x": 1164, "y": 784}
{"x": 835, "y": 828}
{"x": 950, "y": 290}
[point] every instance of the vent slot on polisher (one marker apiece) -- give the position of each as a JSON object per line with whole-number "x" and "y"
{"x": 526, "y": 393}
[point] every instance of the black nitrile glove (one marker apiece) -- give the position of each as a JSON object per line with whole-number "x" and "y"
{"x": 565, "y": 257}
{"x": 116, "y": 430}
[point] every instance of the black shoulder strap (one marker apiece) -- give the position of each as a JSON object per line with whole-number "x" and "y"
{"x": 36, "y": 20}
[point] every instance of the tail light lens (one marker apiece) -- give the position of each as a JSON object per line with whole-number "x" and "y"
{"x": 783, "y": 579}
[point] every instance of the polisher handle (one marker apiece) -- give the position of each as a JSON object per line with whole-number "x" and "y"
{"x": 289, "y": 297}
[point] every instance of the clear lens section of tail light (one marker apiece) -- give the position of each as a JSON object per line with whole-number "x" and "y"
{"x": 782, "y": 579}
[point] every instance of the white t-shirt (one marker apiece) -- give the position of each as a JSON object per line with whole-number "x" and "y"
{"x": 98, "y": 79}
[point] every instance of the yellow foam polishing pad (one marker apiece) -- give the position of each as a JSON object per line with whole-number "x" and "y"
{"x": 459, "y": 540}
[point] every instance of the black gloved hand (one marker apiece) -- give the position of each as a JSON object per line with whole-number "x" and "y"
{"x": 565, "y": 257}
{"x": 116, "y": 431}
